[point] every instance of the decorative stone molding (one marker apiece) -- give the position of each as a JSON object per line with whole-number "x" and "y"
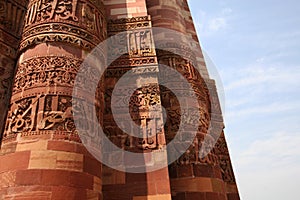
{"x": 46, "y": 71}
{"x": 125, "y": 24}
{"x": 79, "y": 23}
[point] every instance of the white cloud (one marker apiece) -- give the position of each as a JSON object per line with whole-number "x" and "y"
{"x": 263, "y": 109}
{"x": 260, "y": 73}
{"x": 217, "y": 24}
{"x": 277, "y": 151}
{"x": 207, "y": 23}
{"x": 226, "y": 11}
{"x": 261, "y": 90}
{"x": 269, "y": 168}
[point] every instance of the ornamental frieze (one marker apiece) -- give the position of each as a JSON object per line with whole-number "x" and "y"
{"x": 80, "y": 23}
{"x": 149, "y": 128}
{"x": 129, "y": 62}
{"x": 134, "y": 43}
{"x": 126, "y": 24}
{"x": 118, "y": 72}
{"x": 70, "y": 39}
{"x": 42, "y": 113}
{"x": 47, "y": 71}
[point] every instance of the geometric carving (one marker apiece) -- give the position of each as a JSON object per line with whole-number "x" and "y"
{"x": 137, "y": 47}
{"x": 42, "y": 103}
{"x": 70, "y": 39}
{"x": 62, "y": 29}
{"x": 124, "y": 24}
{"x": 134, "y": 61}
{"x": 194, "y": 155}
{"x": 118, "y": 72}
{"x": 11, "y": 20}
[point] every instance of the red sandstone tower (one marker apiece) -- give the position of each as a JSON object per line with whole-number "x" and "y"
{"x": 43, "y": 44}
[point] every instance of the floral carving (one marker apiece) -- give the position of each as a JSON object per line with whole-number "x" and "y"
{"x": 46, "y": 71}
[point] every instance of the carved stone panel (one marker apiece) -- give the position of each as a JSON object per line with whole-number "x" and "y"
{"x": 79, "y": 23}
{"x": 46, "y": 71}
{"x": 221, "y": 149}
{"x": 45, "y": 112}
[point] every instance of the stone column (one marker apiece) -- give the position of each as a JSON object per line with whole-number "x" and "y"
{"x": 41, "y": 155}
{"x": 12, "y": 13}
{"x": 141, "y": 59}
{"x": 193, "y": 177}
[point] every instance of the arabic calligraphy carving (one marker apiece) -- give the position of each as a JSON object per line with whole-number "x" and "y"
{"x": 42, "y": 10}
{"x": 50, "y": 112}
{"x": 76, "y": 22}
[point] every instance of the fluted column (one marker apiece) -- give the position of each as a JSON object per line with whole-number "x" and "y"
{"x": 140, "y": 59}
{"x": 12, "y": 13}
{"x": 193, "y": 176}
{"x": 42, "y": 156}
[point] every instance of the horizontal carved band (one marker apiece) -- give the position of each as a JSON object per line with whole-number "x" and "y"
{"x": 63, "y": 29}
{"x": 127, "y": 62}
{"x": 118, "y": 72}
{"x": 130, "y": 20}
{"x": 83, "y": 14}
{"x": 124, "y": 24}
{"x": 55, "y": 135}
{"x": 47, "y": 71}
{"x": 73, "y": 40}
{"x": 77, "y": 22}
{"x": 45, "y": 112}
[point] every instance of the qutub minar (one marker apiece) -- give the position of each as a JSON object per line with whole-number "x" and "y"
{"x": 42, "y": 46}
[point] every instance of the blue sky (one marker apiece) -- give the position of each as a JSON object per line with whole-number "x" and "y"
{"x": 255, "y": 47}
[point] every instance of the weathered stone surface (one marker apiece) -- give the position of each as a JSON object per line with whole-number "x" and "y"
{"x": 41, "y": 155}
